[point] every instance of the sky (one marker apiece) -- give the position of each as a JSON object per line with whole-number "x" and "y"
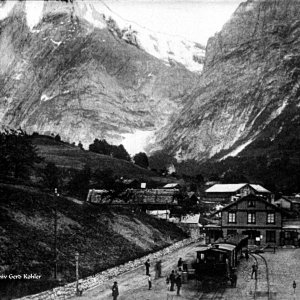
{"x": 195, "y": 20}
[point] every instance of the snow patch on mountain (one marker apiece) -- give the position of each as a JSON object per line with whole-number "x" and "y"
{"x": 34, "y": 12}
{"x": 56, "y": 43}
{"x": 91, "y": 11}
{"x": 160, "y": 45}
{"x": 279, "y": 110}
{"x": 239, "y": 149}
{"x": 44, "y": 97}
{"x": 176, "y": 49}
{"x": 137, "y": 141}
{"x": 18, "y": 76}
{"x": 6, "y": 8}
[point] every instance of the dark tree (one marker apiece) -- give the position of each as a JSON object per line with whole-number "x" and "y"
{"x": 51, "y": 176}
{"x": 101, "y": 147}
{"x": 18, "y": 155}
{"x": 35, "y": 134}
{"x": 141, "y": 160}
{"x": 199, "y": 178}
{"x": 160, "y": 160}
{"x": 120, "y": 152}
{"x": 103, "y": 179}
{"x": 58, "y": 138}
{"x": 80, "y": 182}
{"x": 233, "y": 177}
{"x": 80, "y": 145}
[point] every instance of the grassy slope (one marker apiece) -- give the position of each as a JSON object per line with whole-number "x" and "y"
{"x": 103, "y": 237}
{"x": 68, "y": 156}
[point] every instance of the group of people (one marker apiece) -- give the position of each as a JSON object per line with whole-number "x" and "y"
{"x": 158, "y": 271}
{"x": 175, "y": 278}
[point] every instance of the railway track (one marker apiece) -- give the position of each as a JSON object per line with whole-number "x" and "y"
{"x": 215, "y": 295}
{"x": 262, "y": 294}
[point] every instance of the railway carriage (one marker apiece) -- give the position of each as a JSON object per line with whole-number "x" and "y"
{"x": 216, "y": 263}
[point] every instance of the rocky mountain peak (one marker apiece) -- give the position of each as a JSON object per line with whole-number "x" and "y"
{"x": 249, "y": 89}
{"x": 63, "y": 73}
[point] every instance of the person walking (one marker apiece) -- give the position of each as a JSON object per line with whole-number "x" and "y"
{"x": 159, "y": 268}
{"x": 156, "y": 270}
{"x": 247, "y": 254}
{"x": 115, "y": 291}
{"x": 172, "y": 280}
{"x": 180, "y": 262}
{"x": 233, "y": 279}
{"x": 147, "y": 265}
{"x": 254, "y": 271}
{"x": 149, "y": 282}
{"x": 178, "y": 284}
{"x": 168, "y": 282}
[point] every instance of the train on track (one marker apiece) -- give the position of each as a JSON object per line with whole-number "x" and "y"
{"x": 216, "y": 264}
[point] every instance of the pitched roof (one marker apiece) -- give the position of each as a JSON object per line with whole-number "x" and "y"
{"x": 283, "y": 198}
{"x": 251, "y": 197}
{"x": 129, "y": 181}
{"x": 228, "y": 188}
{"x": 259, "y": 188}
{"x": 191, "y": 219}
{"x": 98, "y": 191}
{"x": 158, "y": 212}
{"x": 231, "y": 188}
{"x": 171, "y": 185}
{"x": 293, "y": 199}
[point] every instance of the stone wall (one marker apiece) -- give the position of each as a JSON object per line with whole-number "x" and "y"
{"x": 69, "y": 290}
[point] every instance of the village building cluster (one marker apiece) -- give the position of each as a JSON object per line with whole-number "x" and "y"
{"x": 252, "y": 210}
{"x": 243, "y": 208}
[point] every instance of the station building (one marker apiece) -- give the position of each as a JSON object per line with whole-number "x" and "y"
{"x": 253, "y": 216}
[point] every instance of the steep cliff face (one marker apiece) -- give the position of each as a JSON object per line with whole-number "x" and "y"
{"x": 71, "y": 74}
{"x": 250, "y": 87}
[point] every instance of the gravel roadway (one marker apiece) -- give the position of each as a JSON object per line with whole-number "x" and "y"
{"x": 284, "y": 268}
{"x": 133, "y": 285}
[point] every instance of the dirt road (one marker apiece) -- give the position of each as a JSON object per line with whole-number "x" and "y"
{"x": 284, "y": 268}
{"x": 133, "y": 285}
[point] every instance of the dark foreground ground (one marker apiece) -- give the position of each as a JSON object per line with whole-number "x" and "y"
{"x": 104, "y": 237}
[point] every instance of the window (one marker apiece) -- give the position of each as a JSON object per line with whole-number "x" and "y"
{"x": 251, "y": 218}
{"x": 251, "y": 203}
{"x": 232, "y": 217}
{"x": 270, "y": 236}
{"x": 271, "y": 218}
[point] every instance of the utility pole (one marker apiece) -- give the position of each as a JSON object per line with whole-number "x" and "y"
{"x": 55, "y": 232}
{"x": 77, "y": 272}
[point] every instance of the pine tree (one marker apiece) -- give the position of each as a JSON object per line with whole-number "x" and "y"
{"x": 141, "y": 160}
{"x": 18, "y": 155}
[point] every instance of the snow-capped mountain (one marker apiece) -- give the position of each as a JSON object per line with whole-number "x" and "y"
{"x": 171, "y": 49}
{"x": 66, "y": 68}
